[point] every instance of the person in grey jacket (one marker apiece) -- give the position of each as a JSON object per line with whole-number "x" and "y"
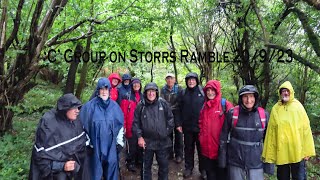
{"x": 170, "y": 92}
{"x": 153, "y": 123}
{"x": 242, "y": 135}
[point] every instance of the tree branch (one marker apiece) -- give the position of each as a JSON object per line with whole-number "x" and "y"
{"x": 297, "y": 57}
{"x": 16, "y": 24}
{"x": 314, "y": 3}
{"x": 313, "y": 38}
{"x": 54, "y": 40}
{"x": 72, "y": 39}
{"x": 276, "y": 25}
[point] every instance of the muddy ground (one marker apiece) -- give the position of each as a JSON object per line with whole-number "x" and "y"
{"x": 175, "y": 170}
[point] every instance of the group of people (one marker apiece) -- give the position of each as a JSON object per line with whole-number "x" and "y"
{"x": 233, "y": 142}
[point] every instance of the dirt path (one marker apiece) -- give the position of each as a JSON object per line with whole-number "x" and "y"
{"x": 175, "y": 171}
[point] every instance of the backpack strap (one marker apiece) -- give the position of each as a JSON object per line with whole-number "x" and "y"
{"x": 262, "y": 117}
{"x": 201, "y": 91}
{"x": 223, "y": 105}
{"x": 183, "y": 92}
{"x": 235, "y": 116}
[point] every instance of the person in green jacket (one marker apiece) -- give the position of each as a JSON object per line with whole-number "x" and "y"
{"x": 289, "y": 142}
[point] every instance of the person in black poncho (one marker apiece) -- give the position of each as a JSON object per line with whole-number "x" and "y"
{"x": 60, "y": 151}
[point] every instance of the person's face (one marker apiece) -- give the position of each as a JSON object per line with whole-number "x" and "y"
{"x": 151, "y": 94}
{"x": 72, "y": 114}
{"x": 248, "y": 101}
{"x": 136, "y": 86}
{"x": 170, "y": 81}
{"x": 192, "y": 82}
{"x": 115, "y": 82}
{"x": 285, "y": 95}
{"x": 104, "y": 93}
{"x": 126, "y": 82}
{"x": 211, "y": 94}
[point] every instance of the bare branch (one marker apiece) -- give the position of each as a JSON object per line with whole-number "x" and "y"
{"x": 119, "y": 14}
{"x": 314, "y": 3}
{"x": 72, "y": 39}
{"x": 313, "y": 37}
{"x": 16, "y": 25}
{"x": 53, "y": 40}
{"x": 283, "y": 16}
{"x": 297, "y": 57}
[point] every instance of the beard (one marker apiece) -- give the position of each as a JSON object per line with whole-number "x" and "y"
{"x": 285, "y": 98}
{"x": 104, "y": 97}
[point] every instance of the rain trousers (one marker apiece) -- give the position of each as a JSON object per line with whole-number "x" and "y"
{"x": 102, "y": 121}
{"x": 289, "y": 137}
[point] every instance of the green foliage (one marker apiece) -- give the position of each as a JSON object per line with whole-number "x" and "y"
{"x": 16, "y": 148}
{"x": 39, "y": 99}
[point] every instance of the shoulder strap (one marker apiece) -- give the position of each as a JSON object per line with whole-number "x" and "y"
{"x": 201, "y": 90}
{"x": 223, "y": 105}
{"x": 235, "y": 116}
{"x": 262, "y": 117}
{"x": 142, "y": 108}
{"x": 183, "y": 92}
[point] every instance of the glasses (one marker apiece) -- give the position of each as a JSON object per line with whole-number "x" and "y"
{"x": 285, "y": 90}
{"x": 151, "y": 91}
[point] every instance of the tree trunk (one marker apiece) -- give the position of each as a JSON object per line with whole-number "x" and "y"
{"x": 69, "y": 88}
{"x": 304, "y": 87}
{"x": 6, "y": 116}
{"x": 3, "y": 27}
{"x": 84, "y": 72}
{"x": 18, "y": 79}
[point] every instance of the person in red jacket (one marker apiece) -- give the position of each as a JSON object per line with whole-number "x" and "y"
{"x": 128, "y": 105}
{"x": 115, "y": 80}
{"x": 211, "y": 121}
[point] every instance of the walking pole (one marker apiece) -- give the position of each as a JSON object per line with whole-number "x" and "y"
{"x": 143, "y": 159}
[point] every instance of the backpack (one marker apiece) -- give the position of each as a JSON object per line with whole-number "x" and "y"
{"x": 223, "y": 105}
{"x": 175, "y": 88}
{"x": 235, "y": 117}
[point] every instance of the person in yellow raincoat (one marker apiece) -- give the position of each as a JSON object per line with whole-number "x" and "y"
{"x": 289, "y": 142}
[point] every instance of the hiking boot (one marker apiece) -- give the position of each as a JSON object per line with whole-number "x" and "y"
{"x": 131, "y": 168}
{"x": 203, "y": 174}
{"x": 187, "y": 173}
{"x": 178, "y": 159}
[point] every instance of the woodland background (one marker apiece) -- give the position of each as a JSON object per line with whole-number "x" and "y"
{"x": 30, "y": 84}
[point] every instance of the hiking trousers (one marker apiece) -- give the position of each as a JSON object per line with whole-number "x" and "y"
{"x": 297, "y": 170}
{"x": 237, "y": 173}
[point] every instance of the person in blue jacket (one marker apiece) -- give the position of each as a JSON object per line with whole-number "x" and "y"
{"x": 124, "y": 88}
{"x": 102, "y": 119}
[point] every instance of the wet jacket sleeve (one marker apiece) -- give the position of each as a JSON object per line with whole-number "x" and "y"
{"x": 41, "y": 159}
{"x": 85, "y": 117}
{"x": 268, "y": 168}
{"x": 178, "y": 121}
{"x": 170, "y": 119}
{"x": 120, "y": 140}
{"x": 223, "y": 146}
{"x": 136, "y": 126}
{"x": 162, "y": 93}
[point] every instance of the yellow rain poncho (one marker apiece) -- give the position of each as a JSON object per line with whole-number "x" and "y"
{"x": 289, "y": 137}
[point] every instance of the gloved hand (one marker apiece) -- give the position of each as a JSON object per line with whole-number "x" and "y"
{"x": 119, "y": 148}
{"x": 268, "y": 168}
